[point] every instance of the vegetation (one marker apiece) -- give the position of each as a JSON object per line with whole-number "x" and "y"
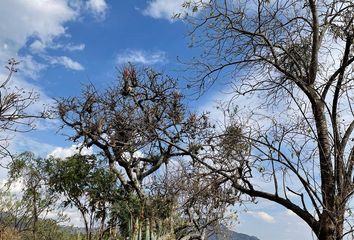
{"x": 138, "y": 126}
{"x": 161, "y": 172}
{"x": 14, "y": 104}
{"x": 139, "y": 129}
{"x": 295, "y": 58}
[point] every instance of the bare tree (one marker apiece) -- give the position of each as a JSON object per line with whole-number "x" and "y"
{"x": 201, "y": 199}
{"x": 14, "y": 104}
{"x": 132, "y": 123}
{"x": 297, "y": 58}
{"x": 138, "y": 125}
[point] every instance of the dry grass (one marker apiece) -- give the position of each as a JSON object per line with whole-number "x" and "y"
{"x": 9, "y": 234}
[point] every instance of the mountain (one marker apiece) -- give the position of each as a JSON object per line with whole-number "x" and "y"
{"x": 226, "y": 234}
{"x": 231, "y": 235}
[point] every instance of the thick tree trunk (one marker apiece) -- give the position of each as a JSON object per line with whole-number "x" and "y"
{"x": 340, "y": 223}
{"x": 327, "y": 228}
{"x": 339, "y": 231}
{"x": 330, "y": 229}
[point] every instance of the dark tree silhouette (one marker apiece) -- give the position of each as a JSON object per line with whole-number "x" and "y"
{"x": 297, "y": 57}
{"x": 14, "y": 104}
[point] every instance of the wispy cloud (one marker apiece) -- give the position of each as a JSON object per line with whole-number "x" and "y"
{"x": 62, "y": 153}
{"x": 74, "y": 47}
{"x": 141, "y": 57}
{"x": 97, "y": 7}
{"x": 29, "y": 67}
{"x": 39, "y": 47}
{"x": 22, "y": 143}
{"x": 263, "y": 216}
{"x": 37, "y": 26}
{"x": 168, "y": 9}
{"x": 163, "y": 8}
{"x": 289, "y": 213}
{"x": 66, "y": 62}
{"x": 28, "y": 21}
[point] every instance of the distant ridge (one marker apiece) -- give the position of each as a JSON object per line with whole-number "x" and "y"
{"x": 226, "y": 234}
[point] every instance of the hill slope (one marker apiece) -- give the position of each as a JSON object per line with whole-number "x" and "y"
{"x": 226, "y": 234}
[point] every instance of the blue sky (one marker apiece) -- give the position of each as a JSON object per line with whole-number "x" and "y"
{"x": 63, "y": 44}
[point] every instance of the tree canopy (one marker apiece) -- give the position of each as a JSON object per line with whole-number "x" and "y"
{"x": 295, "y": 58}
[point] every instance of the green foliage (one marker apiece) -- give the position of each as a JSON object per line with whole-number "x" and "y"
{"x": 150, "y": 216}
{"x": 233, "y": 143}
{"x": 81, "y": 176}
{"x": 50, "y": 230}
{"x": 86, "y": 184}
{"x": 35, "y": 199}
{"x": 16, "y": 221}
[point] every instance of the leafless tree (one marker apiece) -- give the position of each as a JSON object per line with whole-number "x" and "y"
{"x": 137, "y": 124}
{"x": 296, "y": 58}
{"x": 14, "y": 105}
{"x": 200, "y": 198}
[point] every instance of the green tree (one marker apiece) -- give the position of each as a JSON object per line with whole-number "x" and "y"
{"x": 86, "y": 185}
{"x": 37, "y": 201}
{"x": 148, "y": 218}
{"x": 14, "y": 215}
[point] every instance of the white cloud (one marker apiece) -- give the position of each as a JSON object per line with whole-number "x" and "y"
{"x": 42, "y": 22}
{"x": 75, "y": 218}
{"x": 38, "y": 25}
{"x": 163, "y": 8}
{"x": 97, "y": 7}
{"x": 292, "y": 227}
{"x": 15, "y": 188}
{"x": 290, "y": 213}
{"x": 137, "y": 154}
{"x": 141, "y": 57}
{"x": 41, "y": 19}
{"x": 21, "y": 142}
{"x": 30, "y": 67}
{"x": 169, "y": 9}
{"x": 63, "y": 153}
{"x": 39, "y": 47}
{"x": 66, "y": 62}
{"x": 73, "y": 47}
{"x": 263, "y": 216}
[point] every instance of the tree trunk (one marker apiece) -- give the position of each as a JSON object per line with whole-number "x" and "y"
{"x": 331, "y": 224}
{"x": 340, "y": 223}
{"x": 86, "y": 226}
{"x": 327, "y": 229}
{"x": 136, "y": 229}
{"x": 35, "y": 215}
